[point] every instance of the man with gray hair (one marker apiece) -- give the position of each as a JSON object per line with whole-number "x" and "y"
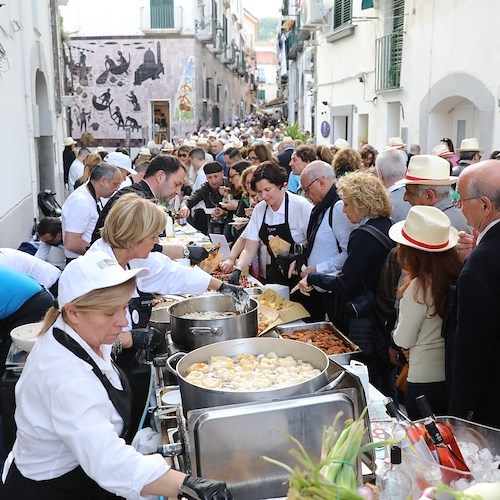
{"x": 428, "y": 182}
{"x": 81, "y": 209}
{"x": 327, "y": 233}
{"x": 390, "y": 166}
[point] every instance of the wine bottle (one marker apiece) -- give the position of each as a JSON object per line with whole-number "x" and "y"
{"x": 413, "y": 439}
{"x": 444, "y": 430}
{"x": 447, "y": 458}
{"x": 395, "y": 483}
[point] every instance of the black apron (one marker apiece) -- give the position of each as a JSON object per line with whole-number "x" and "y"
{"x": 75, "y": 484}
{"x": 140, "y": 309}
{"x": 273, "y": 272}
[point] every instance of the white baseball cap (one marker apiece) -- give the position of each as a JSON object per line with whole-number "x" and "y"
{"x": 121, "y": 161}
{"x": 92, "y": 271}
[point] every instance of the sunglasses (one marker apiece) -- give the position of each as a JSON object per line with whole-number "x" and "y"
{"x": 183, "y": 155}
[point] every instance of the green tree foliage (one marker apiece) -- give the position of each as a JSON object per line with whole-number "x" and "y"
{"x": 267, "y": 28}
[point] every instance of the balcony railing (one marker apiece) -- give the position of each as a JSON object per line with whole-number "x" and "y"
{"x": 293, "y": 42}
{"x": 389, "y": 54}
{"x": 206, "y": 31}
{"x": 161, "y": 17}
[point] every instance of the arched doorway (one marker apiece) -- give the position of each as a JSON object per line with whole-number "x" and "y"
{"x": 457, "y": 106}
{"x": 44, "y": 135}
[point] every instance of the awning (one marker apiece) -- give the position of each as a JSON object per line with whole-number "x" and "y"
{"x": 275, "y": 103}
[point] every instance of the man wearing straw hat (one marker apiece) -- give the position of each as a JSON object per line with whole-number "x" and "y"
{"x": 428, "y": 182}
{"x": 469, "y": 153}
{"x": 473, "y": 348}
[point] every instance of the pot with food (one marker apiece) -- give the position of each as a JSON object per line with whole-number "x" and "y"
{"x": 249, "y": 370}
{"x": 211, "y": 318}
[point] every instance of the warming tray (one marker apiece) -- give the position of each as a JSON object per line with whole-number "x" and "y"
{"x": 226, "y": 442}
{"x": 342, "y": 359}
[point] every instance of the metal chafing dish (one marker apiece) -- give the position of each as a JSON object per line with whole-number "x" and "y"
{"x": 342, "y": 359}
{"x": 226, "y": 442}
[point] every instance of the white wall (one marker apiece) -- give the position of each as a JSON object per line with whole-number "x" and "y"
{"x": 28, "y": 48}
{"x": 444, "y": 56}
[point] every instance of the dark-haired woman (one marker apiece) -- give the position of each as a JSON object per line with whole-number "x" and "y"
{"x": 426, "y": 252}
{"x": 279, "y": 213}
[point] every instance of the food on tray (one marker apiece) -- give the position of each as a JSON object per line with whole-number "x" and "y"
{"x": 323, "y": 338}
{"x": 240, "y": 220}
{"x": 273, "y": 305}
{"x": 208, "y": 315}
{"x": 245, "y": 281}
{"x": 247, "y": 372}
{"x": 211, "y": 263}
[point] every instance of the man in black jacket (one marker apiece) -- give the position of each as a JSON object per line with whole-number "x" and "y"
{"x": 473, "y": 351}
{"x": 211, "y": 218}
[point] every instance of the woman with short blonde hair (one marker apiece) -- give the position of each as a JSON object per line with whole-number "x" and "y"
{"x": 132, "y": 219}
{"x": 366, "y": 203}
{"x": 367, "y": 193}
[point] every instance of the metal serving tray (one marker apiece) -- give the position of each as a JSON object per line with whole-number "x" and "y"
{"x": 342, "y": 359}
{"x": 227, "y": 443}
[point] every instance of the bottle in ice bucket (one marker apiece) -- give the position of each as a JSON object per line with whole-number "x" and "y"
{"x": 395, "y": 483}
{"x": 445, "y": 431}
{"x": 446, "y": 456}
{"x": 412, "y": 439}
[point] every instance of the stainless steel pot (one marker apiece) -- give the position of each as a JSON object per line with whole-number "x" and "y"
{"x": 194, "y": 397}
{"x": 160, "y": 318}
{"x": 194, "y": 333}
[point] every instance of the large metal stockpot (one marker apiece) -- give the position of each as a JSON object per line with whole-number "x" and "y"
{"x": 194, "y": 333}
{"x": 194, "y": 397}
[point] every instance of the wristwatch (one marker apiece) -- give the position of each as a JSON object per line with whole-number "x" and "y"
{"x": 186, "y": 252}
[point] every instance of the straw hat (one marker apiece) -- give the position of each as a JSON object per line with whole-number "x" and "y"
{"x": 469, "y": 145}
{"x": 145, "y": 152}
{"x": 428, "y": 169}
{"x": 442, "y": 151}
{"x": 168, "y": 147}
{"x": 341, "y": 144}
{"x": 121, "y": 161}
{"x": 426, "y": 228}
{"x": 69, "y": 141}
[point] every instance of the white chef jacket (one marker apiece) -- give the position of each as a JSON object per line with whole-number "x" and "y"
{"x": 65, "y": 418}
{"x": 44, "y": 273}
{"x": 79, "y": 215}
{"x": 299, "y": 212}
{"x": 164, "y": 276}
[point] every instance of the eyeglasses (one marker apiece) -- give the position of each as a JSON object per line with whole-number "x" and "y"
{"x": 310, "y": 184}
{"x": 458, "y": 201}
{"x": 253, "y": 158}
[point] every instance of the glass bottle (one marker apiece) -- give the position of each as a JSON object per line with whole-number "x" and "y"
{"x": 411, "y": 436}
{"x": 395, "y": 483}
{"x": 444, "y": 430}
{"x": 446, "y": 456}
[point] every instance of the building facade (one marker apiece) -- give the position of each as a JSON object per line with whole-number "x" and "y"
{"x": 154, "y": 69}
{"x": 32, "y": 125}
{"x": 383, "y": 68}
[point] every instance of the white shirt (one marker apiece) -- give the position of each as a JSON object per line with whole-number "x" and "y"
{"x": 198, "y": 178}
{"x": 52, "y": 254}
{"x": 325, "y": 253}
{"x": 44, "y": 273}
{"x": 64, "y": 419}
{"x": 75, "y": 172}
{"x": 165, "y": 276}
{"x": 79, "y": 215}
{"x": 485, "y": 230}
{"x": 299, "y": 212}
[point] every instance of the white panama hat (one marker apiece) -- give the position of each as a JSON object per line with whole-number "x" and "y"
{"x": 428, "y": 169}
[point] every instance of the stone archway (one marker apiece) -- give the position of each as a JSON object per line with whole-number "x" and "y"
{"x": 43, "y": 135}
{"x": 457, "y": 106}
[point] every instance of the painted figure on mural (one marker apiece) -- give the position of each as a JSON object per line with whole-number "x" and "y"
{"x": 106, "y": 97}
{"x": 82, "y": 119}
{"x": 118, "y": 118}
{"x": 132, "y": 123}
{"x": 132, "y": 98}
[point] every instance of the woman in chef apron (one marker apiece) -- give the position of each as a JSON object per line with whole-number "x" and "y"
{"x": 73, "y": 402}
{"x": 280, "y": 216}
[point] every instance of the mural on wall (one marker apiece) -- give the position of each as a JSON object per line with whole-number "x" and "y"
{"x": 113, "y": 81}
{"x": 185, "y": 96}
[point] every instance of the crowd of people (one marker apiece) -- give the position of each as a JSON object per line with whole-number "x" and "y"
{"x": 396, "y": 248}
